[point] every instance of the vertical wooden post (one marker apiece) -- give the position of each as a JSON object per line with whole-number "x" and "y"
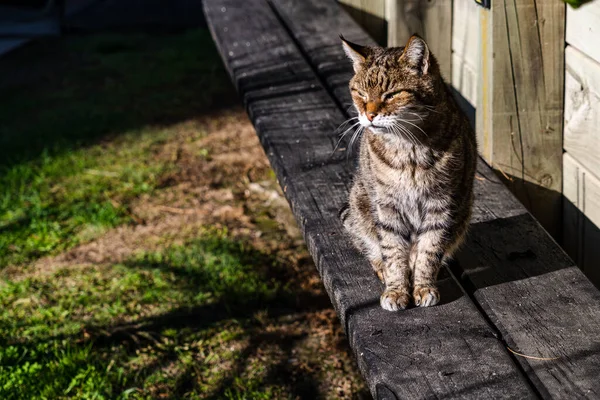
{"x": 370, "y": 14}
{"x": 521, "y": 101}
{"x": 431, "y": 19}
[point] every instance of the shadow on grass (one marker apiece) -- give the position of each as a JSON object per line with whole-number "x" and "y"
{"x": 100, "y": 104}
{"x": 60, "y": 94}
{"x": 214, "y": 284}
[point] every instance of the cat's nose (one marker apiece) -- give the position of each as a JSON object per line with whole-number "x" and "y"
{"x": 371, "y": 116}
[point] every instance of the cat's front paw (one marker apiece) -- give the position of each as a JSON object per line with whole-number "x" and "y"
{"x": 425, "y": 296}
{"x": 394, "y": 300}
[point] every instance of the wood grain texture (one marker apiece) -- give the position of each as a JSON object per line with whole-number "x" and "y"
{"x": 447, "y": 351}
{"x": 527, "y": 86}
{"x": 582, "y": 109}
{"x": 529, "y": 288}
{"x": 430, "y": 19}
{"x": 484, "y": 120}
{"x": 371, "y": 15}
{"x": 437, "y": 31}
{"x": 534, "y": 295}
{"x": 581, "y": 208}
{"x": 583, "y": 29}
{"x": 466, "y": 49}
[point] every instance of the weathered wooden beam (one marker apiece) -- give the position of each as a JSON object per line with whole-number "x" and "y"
{"x": 447, "y": 351}
{"x": 430, "y": 19}
{"x": 541, "y": 303}
{"x": 521, "y": 105}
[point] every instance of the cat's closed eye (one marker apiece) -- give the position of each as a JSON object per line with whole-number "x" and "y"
{"x": 360, "y": 93}
{"x": 391, "y": 95}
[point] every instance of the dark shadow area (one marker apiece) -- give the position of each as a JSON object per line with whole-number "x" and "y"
{"x": 508, "y": 249}
{"x": 581, "y": 240}
{"x": 138, "y": 16}
{"x": 63, "y": 93}
{"x": 464, "y": 104}
{"x": 565, "y": 223}
{"x": 544, "y": 204}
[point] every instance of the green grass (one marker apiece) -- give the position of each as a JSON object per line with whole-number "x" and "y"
{"x": 59, "y": 175}
{"x": 61, "y": 339}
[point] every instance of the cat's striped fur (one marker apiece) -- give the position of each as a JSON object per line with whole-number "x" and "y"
{"x": 411, "y": 198}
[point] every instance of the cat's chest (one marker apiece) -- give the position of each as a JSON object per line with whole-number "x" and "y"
{"x": 406, "y": 165}
{"x": 405, "y": 171}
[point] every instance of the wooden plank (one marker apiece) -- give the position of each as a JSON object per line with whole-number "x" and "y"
{"x": 529, "y": 288}
{"x": 404, "y": 18}
{"x": 583, "y": 29}
{"x": 543, "y": 305}
{"x": 466, "y": 51}
{"x": 430, "y": 19}
{"x": 581, "y": 189}
{"x": 447, "y": 351}
{"x": 527, "y": 86}
{"x": 582, "y": 109}
{"x": 437, "y": 31}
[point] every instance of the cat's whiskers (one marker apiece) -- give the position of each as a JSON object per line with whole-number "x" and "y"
{"x": 397, "y": 132}
{"x": 417, "y": 115}
{"x": 416, "y": 126}
{"x": 356, "y": 134}
{"x": 404, "y": 133}
{"x": 408, "y": 133}
{"x": 345, "y": 123}
{"x": 429, "y": 108}
{"x": 344, "y": 135}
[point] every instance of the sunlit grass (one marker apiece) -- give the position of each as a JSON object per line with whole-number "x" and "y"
{"x": 76, "y": 145}
{"x": 57, "y": 333}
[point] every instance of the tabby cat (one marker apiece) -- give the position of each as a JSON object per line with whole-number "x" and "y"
{"x": 410, "y": 202}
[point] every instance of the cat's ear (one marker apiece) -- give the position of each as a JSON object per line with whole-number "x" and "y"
{"x": 416, "y": 54}
{"x": 355, "y": 52}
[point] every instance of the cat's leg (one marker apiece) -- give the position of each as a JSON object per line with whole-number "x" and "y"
{"x": 434, "y": 248}
{"x": 358, "y": 220}
{"x": 430, "y": 253}
{"x": 395, "y": 248}
{"x": 395, "y": 242}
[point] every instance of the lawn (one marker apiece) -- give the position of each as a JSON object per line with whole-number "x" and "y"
{"x": 145, "y": 248}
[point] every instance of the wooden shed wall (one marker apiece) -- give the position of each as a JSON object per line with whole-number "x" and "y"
{"x": 581, "y": 160}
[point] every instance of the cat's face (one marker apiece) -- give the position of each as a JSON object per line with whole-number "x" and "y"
{"x": 394, "y": 89}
